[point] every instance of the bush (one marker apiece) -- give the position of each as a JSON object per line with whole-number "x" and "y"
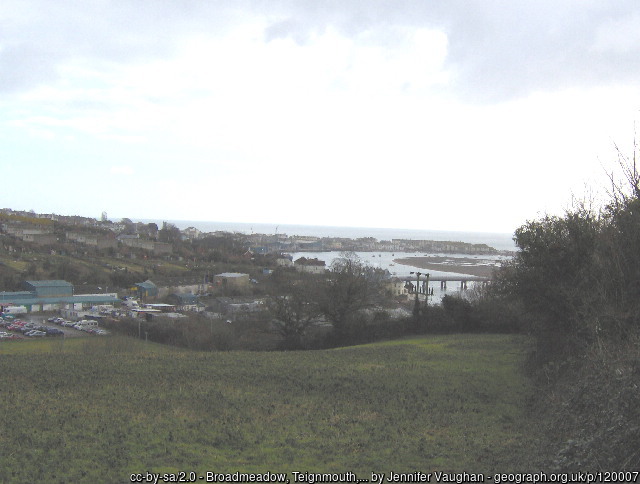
{"x": 575, "y": 283}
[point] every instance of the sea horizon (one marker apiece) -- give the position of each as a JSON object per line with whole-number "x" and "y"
{"x": 497, "y": 240}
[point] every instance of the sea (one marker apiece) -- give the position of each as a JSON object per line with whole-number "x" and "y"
{"x": 499, "y": 241}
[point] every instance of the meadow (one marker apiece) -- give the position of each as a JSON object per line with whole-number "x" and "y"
{"x": 100, "y": 409}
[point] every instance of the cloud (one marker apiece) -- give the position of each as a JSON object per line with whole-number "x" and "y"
{"x": 510, "y": 49}
{"x": 432, "y": 97}
{"x": 496, "y": 50}
{"x": 121, "y": 170}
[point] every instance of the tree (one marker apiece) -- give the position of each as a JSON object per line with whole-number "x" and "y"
{"x": 152, "y": 229}
{"x": 578, "y": 275}
{"x": 293, "y": 313}
{"x": 129, "y": 226}
{"x": 349, "y": 287}
{"x": 555, "y": 273}
{"x": 169, "y": 233}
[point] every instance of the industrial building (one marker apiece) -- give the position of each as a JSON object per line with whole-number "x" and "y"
{"x": 51, "y": 296}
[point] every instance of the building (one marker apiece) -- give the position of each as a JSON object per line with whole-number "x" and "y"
{"x": 232, "y": 279}
{"x": 185, "y": 302}
{"x": 237, "y": 307}
{"x": 40, "y": 239}
{"x": 52, "y": 296}
{"x": 144, "y": 290}
{"x": 311, "y": 266}
{"x": 191, "y": 233}
{"x": 98, "y": 241}
{"x": 158, "y": 248}
{"x": 396, "y": 287}
{"x": 284, "y": 261}
{"x": 49, "y": 288}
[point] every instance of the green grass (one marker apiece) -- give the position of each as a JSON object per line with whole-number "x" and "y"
{"x": 98, "y": 409}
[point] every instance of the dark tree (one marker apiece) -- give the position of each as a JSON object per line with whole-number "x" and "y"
{"x": 294, "y": 312}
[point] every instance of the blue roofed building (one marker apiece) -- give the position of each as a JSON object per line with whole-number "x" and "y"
{"x": 146, "y": 289}
{"x": 49, "y": 288}
{"x": 52, "y": 296}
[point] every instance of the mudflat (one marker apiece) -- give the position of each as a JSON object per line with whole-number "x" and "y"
{"x": 459, "y": 265}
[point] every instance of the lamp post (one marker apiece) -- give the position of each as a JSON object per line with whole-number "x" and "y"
{"x": 416, "y": 306}
{"x": 426, "y": 294}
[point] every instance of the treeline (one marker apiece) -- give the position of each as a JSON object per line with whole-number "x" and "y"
{"x": 574, "y": 285}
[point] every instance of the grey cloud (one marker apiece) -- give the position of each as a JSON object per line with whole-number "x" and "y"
{"x": 500, "y": 53}
{"x": 498, "y": 50}
{"x": 22, "y": 66}
{"x": 37, "y": 35}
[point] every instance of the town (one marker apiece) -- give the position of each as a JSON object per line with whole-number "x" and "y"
{"x": 121, "y": 272}
{"x": 106, "y": 234}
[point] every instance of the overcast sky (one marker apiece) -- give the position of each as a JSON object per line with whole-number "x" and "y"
{"x": 450, "y": 115}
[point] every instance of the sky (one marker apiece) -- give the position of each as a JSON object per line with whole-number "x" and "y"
{"x": 435, "y": 115}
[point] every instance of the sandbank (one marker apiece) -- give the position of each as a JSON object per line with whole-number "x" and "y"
{"x": 462, "y": 265}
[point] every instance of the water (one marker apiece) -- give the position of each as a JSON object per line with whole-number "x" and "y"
{"x": 499, "y": 241}
{"x": 383, "y": 260}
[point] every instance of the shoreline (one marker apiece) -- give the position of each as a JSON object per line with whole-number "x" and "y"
{"x": 448, "y": 264}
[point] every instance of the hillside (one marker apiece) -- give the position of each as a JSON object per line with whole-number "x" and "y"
{"x": 97, "y": 410}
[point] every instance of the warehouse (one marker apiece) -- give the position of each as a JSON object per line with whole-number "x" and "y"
{"x": 52, "y": 296}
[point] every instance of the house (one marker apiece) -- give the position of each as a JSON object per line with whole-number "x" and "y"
{"x": 311, "y": 266}
{"x": 191, "y": 233}
{"x": 40, "y": 239}
{"x": 158, "y": 248}
{"x": 396, "y": 287}
{"x": 284, "y": 261}
{"x": 98, "y": 241}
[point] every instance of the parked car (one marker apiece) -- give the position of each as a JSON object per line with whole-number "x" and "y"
{"x": 35, "y": 333}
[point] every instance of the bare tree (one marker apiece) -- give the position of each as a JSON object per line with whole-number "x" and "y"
{"x": 350, "y": 287}
{"x": 294, "y": 309}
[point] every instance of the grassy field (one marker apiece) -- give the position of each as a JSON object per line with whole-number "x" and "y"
{"x": 98, "y": 409}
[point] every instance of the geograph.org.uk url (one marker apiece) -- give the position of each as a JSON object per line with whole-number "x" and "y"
{"x": 566, "y": 477}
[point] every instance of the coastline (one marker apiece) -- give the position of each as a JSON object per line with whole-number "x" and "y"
{"x": 448, "y": 264}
